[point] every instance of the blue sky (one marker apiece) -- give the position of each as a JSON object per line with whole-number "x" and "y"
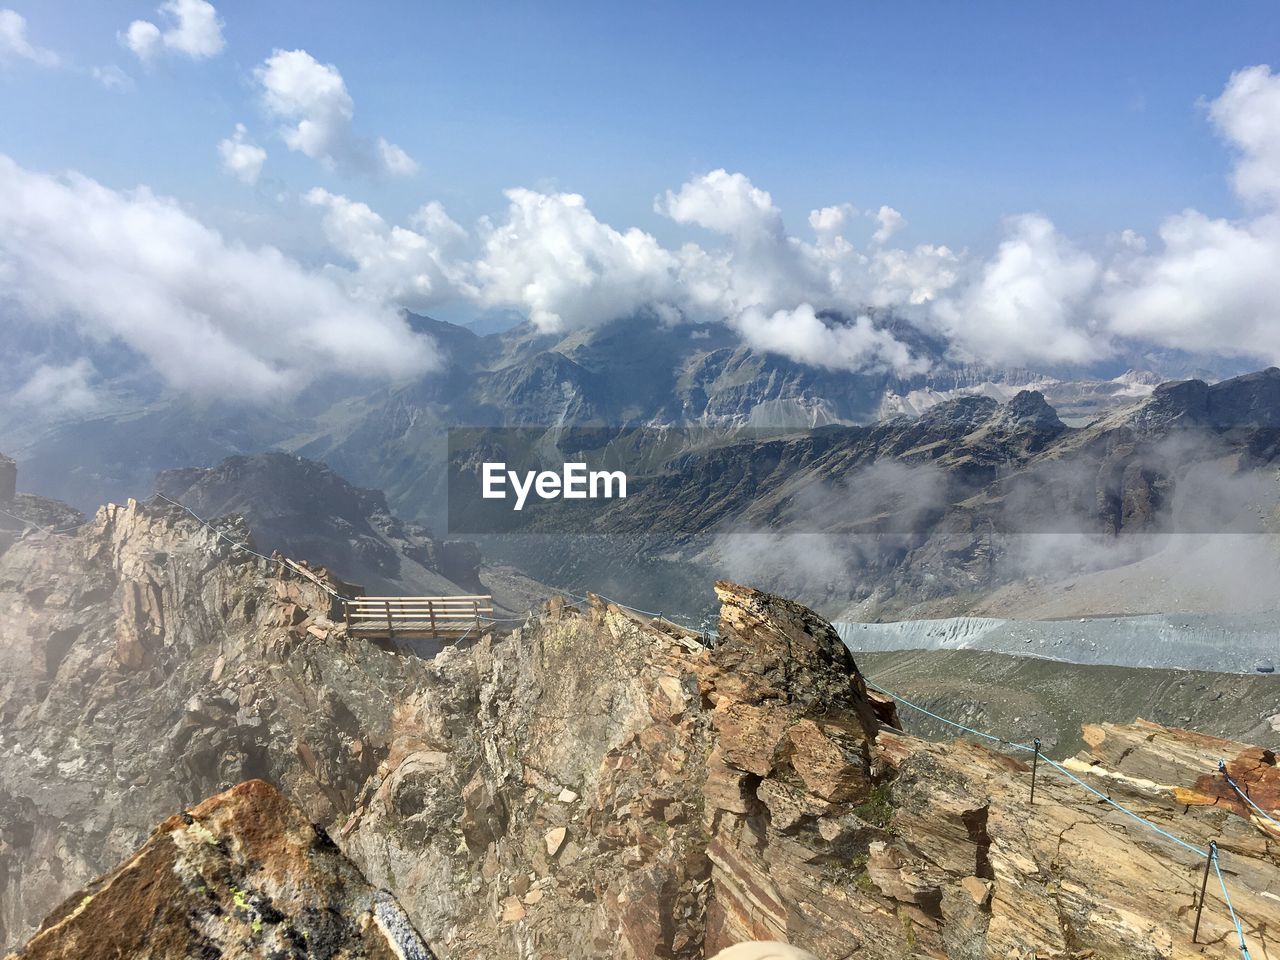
{"x": 1037, "y": 184}
{"x": 1086, "y": 112}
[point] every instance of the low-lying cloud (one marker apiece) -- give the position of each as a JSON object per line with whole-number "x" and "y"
{"x": 212, "y": 316}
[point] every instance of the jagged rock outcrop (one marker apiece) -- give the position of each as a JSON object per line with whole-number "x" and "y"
{"x": 242, "y": 875}
{"x": 618, "y": 790}
{"x": 592, "y": 785}
{"x": 145, "y": 663}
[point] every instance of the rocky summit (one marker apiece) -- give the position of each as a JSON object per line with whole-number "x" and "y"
{"x": 590, "y": 784}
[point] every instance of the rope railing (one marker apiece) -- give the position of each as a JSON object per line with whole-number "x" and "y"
{"x": 1244, "y": 947}
{"x": 41, "y": 526}
{"x": 1211, "y": 856}
{"x": 1222, "y": 769}
{"x": 687, "y": 625}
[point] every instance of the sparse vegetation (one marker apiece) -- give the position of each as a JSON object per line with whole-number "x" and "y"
{"x": 877, "y": 809}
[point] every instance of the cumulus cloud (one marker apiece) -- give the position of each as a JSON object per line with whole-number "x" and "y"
{"x": 1206, "y": 285}
{"x": 725, "y": 202}
{"x": 1212, "y": 284}
{"x": 889, "y": 221}
{"x": 549, "y": 257}
{"x": 192, "y": 29}
{"x": 1213, "y": 287}
{"x": 1247, "y": 114}
{"x": 312, "y": 98}
{"x": 213, "y": 317}
{"x": 241, "y": 157}
{"x": 1029, "y": 302}
{"x": 15, "y": 45}
{"x": 553, "y": 258}
{"x": 830, "y": 221}
{"x": 415, "y": 268}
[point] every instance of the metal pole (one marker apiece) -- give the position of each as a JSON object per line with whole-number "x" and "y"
{"x": 1204, "y": 886}
{"x": 1035, "y": 763}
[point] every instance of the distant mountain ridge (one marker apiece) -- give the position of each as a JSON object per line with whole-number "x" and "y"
{"x": 626, "y": 372}
{"x": 928, "y": 515}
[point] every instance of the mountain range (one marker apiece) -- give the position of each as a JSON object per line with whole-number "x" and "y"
{"x": 391, "y": 437}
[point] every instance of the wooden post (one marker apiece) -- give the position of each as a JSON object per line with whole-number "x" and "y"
{"x": 431, "y": 608}
{"x": 1204, "y": 886}
{"x": 475, "y": 609}
{"x": 1035, "y": 763}
{"x": 391, "y": 627}
{"x": 346, "y": 615}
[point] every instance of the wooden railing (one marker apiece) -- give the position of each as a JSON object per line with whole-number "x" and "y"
{"x": 392, "y": 617}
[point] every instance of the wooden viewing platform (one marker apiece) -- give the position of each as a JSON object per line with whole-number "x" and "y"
{"x": 436, "y": 617}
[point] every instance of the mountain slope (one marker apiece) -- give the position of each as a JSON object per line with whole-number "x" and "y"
{"x": 931, "y": 515}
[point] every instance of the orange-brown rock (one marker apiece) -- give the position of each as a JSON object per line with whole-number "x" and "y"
{"x": 242, "y": 875}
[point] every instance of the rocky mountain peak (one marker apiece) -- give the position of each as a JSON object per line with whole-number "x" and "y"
{"x": 1029, "y": 408}
{"x": 1251, "y": 401}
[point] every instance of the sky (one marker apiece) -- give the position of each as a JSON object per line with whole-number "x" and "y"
{"x": 1035, "y": 182}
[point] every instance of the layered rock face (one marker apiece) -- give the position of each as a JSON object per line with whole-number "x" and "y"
{"x": 591, "y": 785}
{"x": 242, "y": 875}
{"x": 145, "y": 664}
{"x": 621, "y": 791}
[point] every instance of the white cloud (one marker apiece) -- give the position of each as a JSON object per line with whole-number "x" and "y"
{"x": 213, "y": 317}
{"x": 60, "y": 390}
{"x": 1028, "y": 303}
{"x": 14, "y": 44}
{"x": 914, "y": 277}
{"x": 241, "y": 157}
{"x": 1247, "y": 114}
{"x": 394, "y": 160}
{"x": 725, "y": 202}
{"x": 313, "y": 99}
{"x": 192, "y": 29}
{"x": 1038, "y": 299}
{"x": 830, "y": 221}
{"x": 553, "y": 258}
{"x": 143, "y": 38}
{"x": 1213, "y": 286}
{"x": 112, "y": 78}
{"x": 416, "y": 269}
{"x": 803, "y": 336}
{"x": 890, "y": 222}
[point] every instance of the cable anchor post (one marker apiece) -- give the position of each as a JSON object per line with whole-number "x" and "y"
{"x": 1204, "y": 887}
{"x": 1035, "y": 764}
